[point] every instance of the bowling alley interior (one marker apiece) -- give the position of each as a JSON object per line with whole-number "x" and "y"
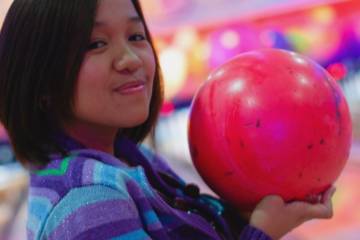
{"x": 195, "y": 38}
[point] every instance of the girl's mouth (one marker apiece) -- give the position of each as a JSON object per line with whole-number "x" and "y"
{"x": 131, "y": 87}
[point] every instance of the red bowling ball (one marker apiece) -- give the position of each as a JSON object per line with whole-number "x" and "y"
{"x": 269, "y": 122}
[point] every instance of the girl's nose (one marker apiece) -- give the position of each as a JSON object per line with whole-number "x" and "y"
{"x": 127, "y": 62}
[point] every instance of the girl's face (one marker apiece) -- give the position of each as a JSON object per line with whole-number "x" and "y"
{"x": 115, "y": 82}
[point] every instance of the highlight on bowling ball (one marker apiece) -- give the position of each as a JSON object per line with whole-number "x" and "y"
{"x": 266, "y": 122}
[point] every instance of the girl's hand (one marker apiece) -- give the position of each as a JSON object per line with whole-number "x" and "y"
{"x": 276, "y": 218}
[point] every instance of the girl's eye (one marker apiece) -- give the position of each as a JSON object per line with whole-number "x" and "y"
{"x": 137, "y": 37}
{"x": 96, "y": 45}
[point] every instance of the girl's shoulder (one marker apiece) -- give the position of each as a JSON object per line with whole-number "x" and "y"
{"x": 68, "y": 183}
{"x": 83, "y": 168}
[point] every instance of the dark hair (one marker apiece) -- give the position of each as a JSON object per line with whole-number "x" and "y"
{"x": 42, "y": 46}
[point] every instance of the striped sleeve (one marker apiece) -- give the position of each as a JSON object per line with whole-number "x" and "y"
{"x": 94, "y": 212}
{"x": 253, "y": 233}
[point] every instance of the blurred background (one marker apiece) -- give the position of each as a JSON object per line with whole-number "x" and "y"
{"x": 193, "y": 37}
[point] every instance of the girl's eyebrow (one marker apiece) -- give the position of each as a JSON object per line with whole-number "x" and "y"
{"x": 133, "y": 19}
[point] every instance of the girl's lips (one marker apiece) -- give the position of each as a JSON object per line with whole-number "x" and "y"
{"x": 131, "y": 87}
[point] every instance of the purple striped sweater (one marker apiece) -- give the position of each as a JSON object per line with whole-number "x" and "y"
{"x": 90, "y": 194}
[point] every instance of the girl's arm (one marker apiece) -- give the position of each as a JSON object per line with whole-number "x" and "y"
{"x": 94, "y": 212}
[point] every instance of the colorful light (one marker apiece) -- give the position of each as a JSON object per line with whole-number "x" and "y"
{"x": 324, "y": 14}
{"x": 275, "y": 39}
{"x": 186, "y": 38}
{"x": 167, "y": 108}
{"x": 337, "y": 70}
{"x": 230, "y": 39}
{"x": 175, "y": 69}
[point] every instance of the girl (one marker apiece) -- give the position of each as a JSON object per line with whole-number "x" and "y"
{"x": 80, "y": 88}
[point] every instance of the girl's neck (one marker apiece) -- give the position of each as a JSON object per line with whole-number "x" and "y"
{"x": 99, "y": 138}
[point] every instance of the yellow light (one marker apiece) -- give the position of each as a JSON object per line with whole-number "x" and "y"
{"x": 324, "y": 14}
{"x": 174, "y": 66}
{"x": 186, "y": 37}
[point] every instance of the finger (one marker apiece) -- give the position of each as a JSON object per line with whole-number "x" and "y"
{"x": 270, "y": 202}
{"x": 327, "y": 200}
{"x": 314, "y": 198}
{"x": 327, "y": 195}
{"x": 275, "y": 198}
{"x": 320, "y": 210}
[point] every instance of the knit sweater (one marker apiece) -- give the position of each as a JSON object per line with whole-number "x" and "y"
{"x": 90, "y": 194}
